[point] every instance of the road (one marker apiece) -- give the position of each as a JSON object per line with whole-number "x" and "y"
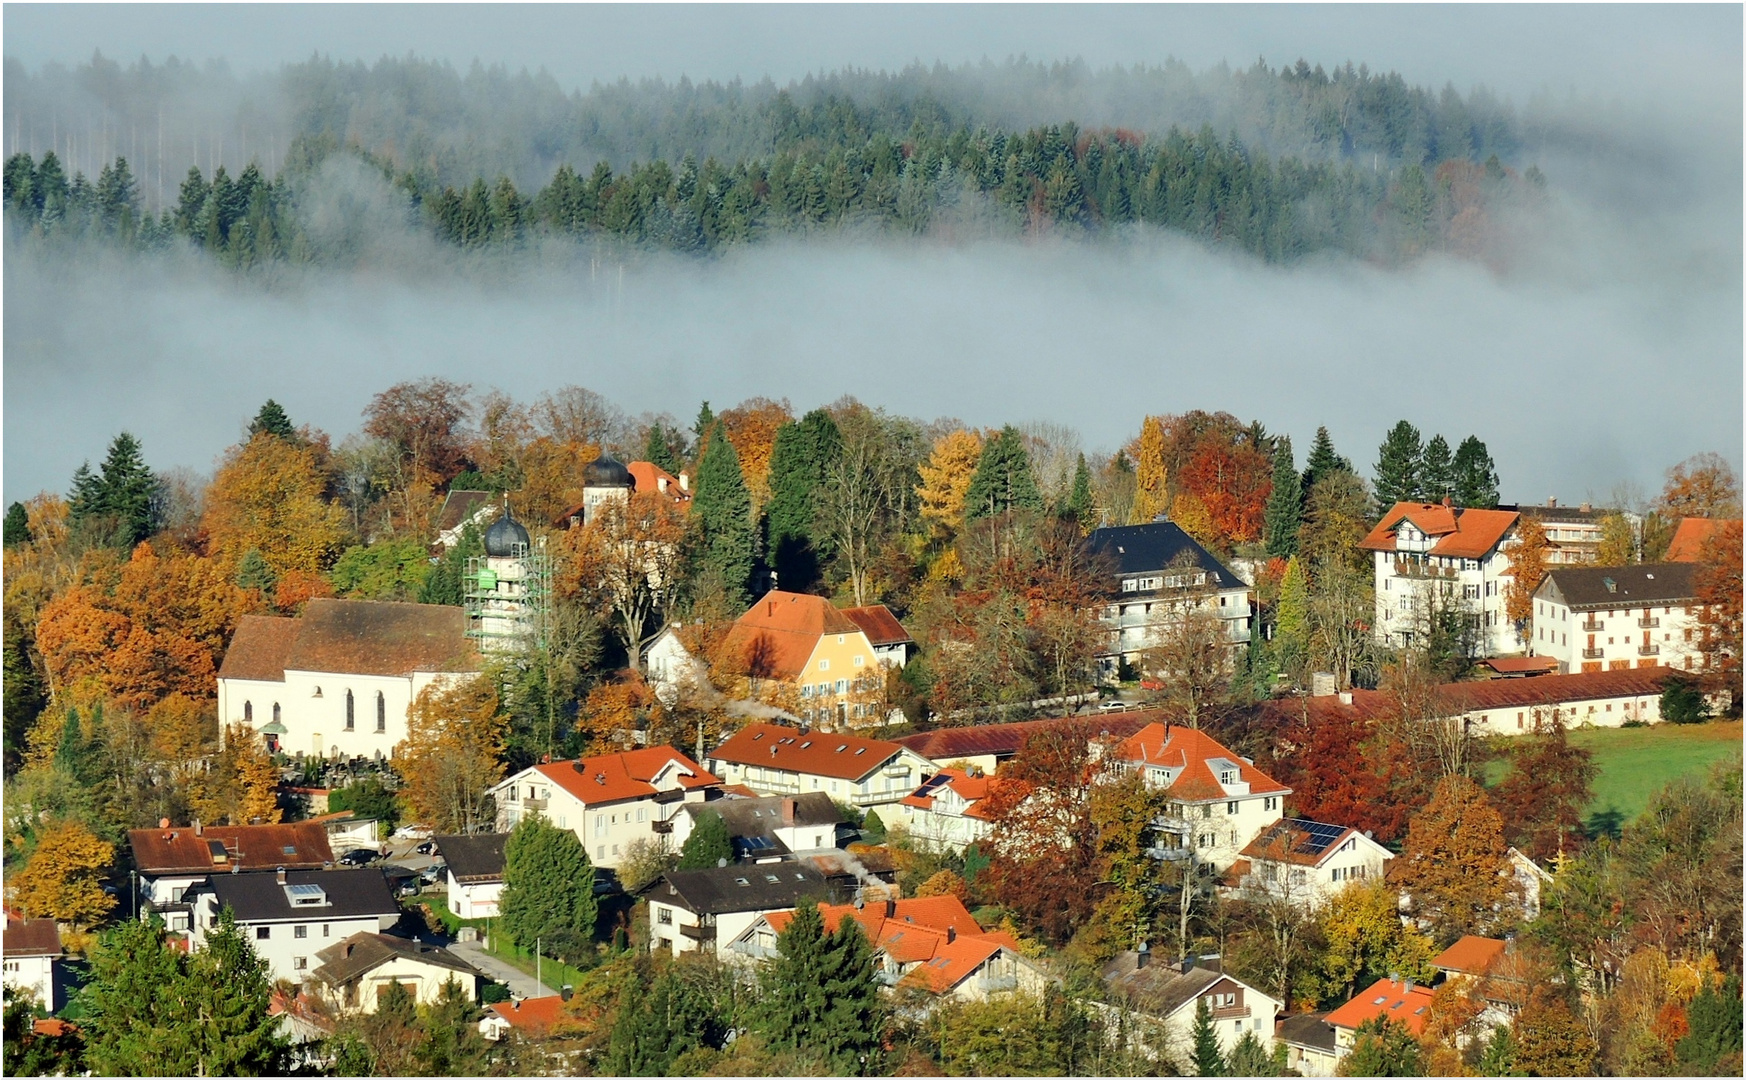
{"x": 519, "y": 983}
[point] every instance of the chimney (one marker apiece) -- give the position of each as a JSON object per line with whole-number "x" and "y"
{"x": 788, "y": 811}
{"x": 1551, "y": 502}
{"x": 199, "y": 829}
{"x": 1587, "y": 508}
{"x": 347, "y": 954}
{"x": 1142, "y": 956}
{"x": 1345, "y": 697}
{"x": 951, "y": 934}
{"x": 890, "y": 908}
{"x": 661, "y": 484}
{"x": 1448, "y": 503}
{"x": 281, "y": 875}
{"x": 514, "y": 1005}
{"x": 684, "y": 482}
{"x": 566, "y": 991}
{"x": 772, "y": 751}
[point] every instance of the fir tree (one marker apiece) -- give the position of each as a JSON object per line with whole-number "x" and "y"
{"x": 819, "y": 996}
{"x": 708, "y": 844}
{"x": 1208, "y": 1060}
{"x": 1499, "y": 1057}
{"x": 658, "y": 451}
{"x": 799, "y": 461}
{"x": 229, "y": 992}
{"x": 657, "y": 1025}
{"x": 1284, "y": 505}
{"x": 119, "y": 503}
{"x": 548, "y": 888}
{"x": 1003, "y": 480}
{"x": 1397, "y": 466}
{"x": 252, "y": 572}
{"x": 1079, "y": 500}
{"x": 722, "y": 509}
{"x": 272, "y": 420}
{"x": 1384, "y": 1048}
{"x": 1437, "y": 471}
{"x": 17, "y": 529}
{"x": 701, "y": 431}
{"x": 1475, "y": 475}
{"x": 1322, "y": 461}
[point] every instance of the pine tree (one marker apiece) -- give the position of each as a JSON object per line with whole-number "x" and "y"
{"x": 708, "y": 844}
{"x": 548, "y": 888}
{"x": 801, "y": 458}
{"x": 658, "y": 451}
{"x": 1322, "y": 461}
{"x": 722, "y": 509}
{"x": 1208, "y": 1060}
{"x": 119, "y": 502}
{"x": 819, "y": 995}
{"x": 1437, "y": 471}
{"x": 1475, "y": 475}
{"x": 1080, "y": 501}
{"x": 254, "y": 573}
{"x": 1003, "y": 480}
{"x": 17, "y": 528}
{"x": 1397, "y": 466}
{"x": 1284, "y": 505}
{"x": 272, "y": 420}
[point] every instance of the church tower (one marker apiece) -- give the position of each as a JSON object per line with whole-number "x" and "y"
{"x": 508, "y": 590}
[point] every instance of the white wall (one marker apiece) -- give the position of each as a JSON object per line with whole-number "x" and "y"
{"x": 889, "y": 783}
{"x": 35, "y": 974}
{"x": 1479, "y": 585}
{"x": 282, "y": 948}
{"x": 476, "y": 901}
{"x": 317, "y": 724}
{"x": 606, "y": 830}
{"x": 426, "y": 981}
{"x": 1603, "y": 640}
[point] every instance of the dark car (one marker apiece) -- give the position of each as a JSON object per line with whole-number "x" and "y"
{"x": 359, "y": 857}
{"x": 426, "y": 848}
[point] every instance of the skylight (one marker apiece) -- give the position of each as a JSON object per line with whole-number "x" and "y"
{"x": 306, "y": 895}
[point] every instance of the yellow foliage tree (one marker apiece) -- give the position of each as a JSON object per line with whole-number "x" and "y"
{"x": 63, "y": 880}
{"x": 751, "y": 427}
{"x": 945, "y": 883}
{"x": 1151, "y": 474}
{"x": 551, "y": 478}
{"x": 241, "y": 786}
{"x": 945, "y": 479}
{"x": 452, "y": 754}
{"x": 1527, "y": 570}
{"x": 1194, "y": 519}
{"x": 267, "y": 497}
{"x": 181, "y": 728}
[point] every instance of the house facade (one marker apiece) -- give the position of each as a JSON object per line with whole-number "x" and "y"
{"x": 1219, "y": 801}
{"x": 610, "y": 800}
{"x": 354, "y": 972}
{"x": 1605, "y": 618}
{"x": 951, "y": 808}
{"x": 768, "y": 826}
{"x": 705, "y": 910}
{"x": 171, "y": 860}
{"x": 1160, "y": 572}
{"x": 1169, "y": 995}
{"x": 1573, "y": 533}
{"x": 289, "y": 916}
{"x": 32, "y": 948}
{"x": 1307, "y": 862}
{"x": 339, "y": 680}
{"x": 1434, "y": 556}
{"x": 772, "y": 759}
{"x": 475, "y": 873}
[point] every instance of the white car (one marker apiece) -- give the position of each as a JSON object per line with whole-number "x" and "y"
{"x": 1114, "y": 706}
{"x": 412, "y": 832}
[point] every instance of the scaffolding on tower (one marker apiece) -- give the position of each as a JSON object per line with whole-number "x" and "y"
{"x": 508, "y": 599}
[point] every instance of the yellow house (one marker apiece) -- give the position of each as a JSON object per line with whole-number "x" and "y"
{"x": 832, "y": 672}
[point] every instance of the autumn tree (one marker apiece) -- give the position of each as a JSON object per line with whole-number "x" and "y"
{"x": 1045, "y": 841}
{"x": 268, "y": 498}
{"x": 424, "y": 424}
{"x": 1528, "y": 568}
{"x": 1550, "y": 1040}
{"x": 64, "y": 878}
{"x": 577, "y": 416}
{"x": 1151, "y": 473}
{"x": 866, "y": 493}
{"x": 1547, "y": 790}
{"x": 1717, "y": 585}
{"x": 752, "y": 426}
{"x": 452, "y": 754}
{"x": 1454, "y": 866}
{"x": 945, "y": 480}
{"x": 627, "y": 561}
{"x": 1702, "y": 485}
{"x": 1336, "y": 519}
{"x": 1363, "y": 941}
{"x": 1192, "y": 659}
{"x": 1338, "y": 616}
{"x": 240, "y": 784}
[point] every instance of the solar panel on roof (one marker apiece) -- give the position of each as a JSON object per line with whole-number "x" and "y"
{"x": 1318, "y": 836}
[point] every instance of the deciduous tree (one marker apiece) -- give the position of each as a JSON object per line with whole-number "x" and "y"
{"x": 1527, "y": 570}
{"x": 64, "y": 878}
{"x": 627, "y": 562}
{"x": 1702, "y": 485}
{"x": 752, "y": 426}
{"x": 268, "y": 497}
{"x": 1547, "y": 790}
{"x": 945, "y": 480}
{"x": 1453, "y": 865}
{"x": 1717, "y": 585}
{"x": 452, "y": 754}
{"x": 1151, "y": 473}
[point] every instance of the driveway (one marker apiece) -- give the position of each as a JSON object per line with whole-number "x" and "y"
{"x": 519, "y": 983}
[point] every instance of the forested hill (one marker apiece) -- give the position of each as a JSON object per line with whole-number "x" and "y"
{"x": 1281, "y": 163}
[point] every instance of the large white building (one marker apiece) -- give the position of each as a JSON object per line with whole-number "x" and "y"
{"x": 1218, "y": 800}
{"x": 1431, "y": 556}
{"x": 1161, "y": 572}
{"x": 339, "y": 680}
{"x": 1604, "y": 618}
{"x": 291, "y": 915}
{"x": 775, "y": 760}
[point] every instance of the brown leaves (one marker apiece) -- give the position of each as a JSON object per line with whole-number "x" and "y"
{"x": 1527, "y": 569}
{"x": 1702, "y": 485}
{"x": 452, "y": 753}
{"x": 1454, "y": 865}
{"x": 751, "y": 427}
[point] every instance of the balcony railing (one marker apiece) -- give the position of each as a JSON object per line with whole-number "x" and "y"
{"x": 1404, "y": 568}
{"x": 1234, "y": 1013}
{"x": 534, "y": 804}
{"x": 703, "y": 934}
{"x": 1593, "y": 654}
{"x": 1592, "y": 627}
{"x": 1648, "y": 650}
{"x": 1649, "y": 623}
{"x": 662, "y": 826}
{"x": 995, "y": 984}
{"x": 753, "y": 950}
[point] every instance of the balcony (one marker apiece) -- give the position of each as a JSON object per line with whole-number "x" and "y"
{"x": 1593, "y": 654}
{"x": 1236, "y": 1012}
{"x": 662, "y": 826}
{"x": 1648, "y": 650}
{"x": 997, "y": 984}
{"x": 754, "y": 950}
{"x": 1649, "y": 623}
{"x": 1592, "y": 627}
{"x": 1409, "y": 569}
{"x": 702, "y": 934}
{"x": 533, "y": 804}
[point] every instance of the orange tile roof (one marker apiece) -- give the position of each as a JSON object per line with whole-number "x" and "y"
{"x": 179, "y": 849}
{"x": 934, "y": 933}
{"x": 648, "y": 477}
{"x": 607, "y": 778}
{"x": 52, "y": 1027}
{"x": 1296, "y": 841}
{"x": 1471, "y": 955}
{"x": 1190, "y": 751}
{"x": 974, "y": 790}
{"x": 532, "y": 1016}
{"x": 776, "y": 636}
{"x": 259, "y": 648}
{"x": 844, "y": 757}
{"x": 1466, "y": 534}
{"x": 879, "y": 624}
{"x": 1688, "y": 540}
{"x": 1005, "y": 740}
{"x": 1520, "y": 665}
{"x": 1401, "y": 1002}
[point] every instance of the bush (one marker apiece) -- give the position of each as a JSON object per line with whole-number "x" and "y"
{"x": 493, "y": 992}
{"x": 1682, "y": 702}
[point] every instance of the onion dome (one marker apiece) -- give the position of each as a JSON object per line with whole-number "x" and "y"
{"x": 606, "y": 472}
{"x": 504, "y": 534}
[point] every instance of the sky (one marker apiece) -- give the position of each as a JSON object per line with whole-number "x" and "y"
{"x": 1609, "y": 354}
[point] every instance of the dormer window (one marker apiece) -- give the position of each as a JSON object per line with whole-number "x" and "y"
{"x": 1229, "y": 776}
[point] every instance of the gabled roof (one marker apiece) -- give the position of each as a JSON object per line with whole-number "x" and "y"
{"x": 1602, "y": 588}
{"x": 1401, "y": 1002}
{"x": 1199, "y": 758}
{"x": 31, "y": 937}
{"x": 183, "y": 849}
{"x": 934, "y": 933}
{"x": 776, "y": 636}
{"x": 356, "y": 956}
{"x": 1688, "y": 540}
{"x": 1470, "y": 956}
{"x": 1465, "y": 534}
{"x": 1005, "y": 740}
{"x": 259, "y": 648}
{"x": 974, "y": 790}
{"x": 719, "y": 890}
{"x": 762, "y": 816}
{"x": 531, "y": 1016}
{"x": 473, "y": 859}
{"x": 351, "y": 637}
{"x": 607, "y": 778}
{"x": 458, "y": 506}
{"x": 879, "y": 624}
{"x": 1162, "y": 989}
{"x": 1306, "y": 1029}
{"x": 1155, "y": 546}
{"x": 1300, "y": 841}
{"x": 1511, "y": 667}
{"x": 648, "y": 477}
{"x": 258, "y": 897}
{"x": 844, "y": 757}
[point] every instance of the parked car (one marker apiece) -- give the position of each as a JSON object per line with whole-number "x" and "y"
{"x": 412, "y": 832}
{"x": 359, "y": 857}
{"x": 426, "y": 848}
{"x": 1114, "y": 706}
{"x": 433, "y": 873}
{"x": 1151, "y": 684}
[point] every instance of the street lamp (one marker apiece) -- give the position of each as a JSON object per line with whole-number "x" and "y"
{"x": 133, "y": 883}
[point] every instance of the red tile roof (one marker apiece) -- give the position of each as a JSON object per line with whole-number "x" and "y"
{"x": 844, "y": 757}
{"x": 1521, "y": 665}
{"x": 648, "y": 476}
{"x": 259, "y": 648}
{"x": 353, "y": 637}
{"x": 777, "y": 635}
{"x": 607, "y": 778}
{"x": 1484, "y": 694}
{"x": 1688, "y": 540}
{"x": 1466, "y": 534}
{"x": 1291, "y": 840}
{"x": 879, "y": 624}
{"x": 1005, "y": 740}
{"x": 1401, "y": 1002}
{"x": 1471, "y": 955}
{"x": 179, "y": 849}
{"x": 52, "y": 1027}
{"x": 531, "y": 1016}
{"x": 974, "y": 790}
{"x": 936, "y": 934}
{"x": 31, "y": 937}
{"x": 1191, "y": 752}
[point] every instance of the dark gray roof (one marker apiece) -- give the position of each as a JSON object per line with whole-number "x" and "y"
{"x": 742, "y": 887}
{"x": 1587, "y": 588}
{"x": 607, "y": 471}
{"x": 473, "y": 858}
{"x": 361, "y": 953}
{"x": 503, "y": 535}
{"x": 1158, "y": 987}
{"x": 753, "y": 822}
{"x": 258, "y": 897}
{"x": 1558, "y": 513}
{"x": 1307, "y": 1029}
{"x": 1142, "y": 549}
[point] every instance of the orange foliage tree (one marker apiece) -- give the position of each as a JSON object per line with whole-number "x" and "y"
{"x": 552, "y": 477}
{"x": 1527, "y": 570}
{"x": 1232, "y": 479}
{"x": 1702, "y": 485}
{"x": 1718, "y": 587}
{"x": 452, "y": 754}
{"x": 751, "y": 427}
{"x": 626, "y": 563}
{"x": 945, "y": 479}
{"x": 64, "y": 878}
{"x": 267, "y": 497}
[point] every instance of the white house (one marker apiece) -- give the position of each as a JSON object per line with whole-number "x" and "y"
{"x": 354, "y": 972}
{"x": 672, "y": 669}
{"x": 171, "y": 860}
{"x": 339, "y": 680}
{"x": 1219, "y": 801}
{"x": 1604, "y": 618}
{"x": 33, "y": 948}
{"x": 461, "y": 509}
{"x": 291, "y": 915}
{"x": 1308, "y": 861}
{"x": 775, "y": 760}
{"x": 769, "y": 825}
{"x": 609, "y": 800}
{"x": 1573, "y": 533}
{"x": 1310, "y": 1042}
{"x": 1434, "y": 555}
{"x": 950, "y": 809}
{"x": 704, "y": 910}
{"x": 1170, "y": 995}
{"x": 1160, "y": 572}
{"x": 475, "y": 873}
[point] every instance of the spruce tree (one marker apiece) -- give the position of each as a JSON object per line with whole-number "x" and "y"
{"x": 252, "y": 572}
{"x": 658, "y": 451}
{"x": 819, "y": 996}
{"x": 1285, "y": 505}
{"x": 708, "y": 844}
{"x": 1003, "y": 479}
{"x": 722, "y": 509}
{"x": 1437, "y": 471}
{"x": 1080, "y": 501}
{"x": 17, "y": 529}
{"x": 701, "y": 430}
{"x": 272, "y": 420}
{"x": 228, "y": 991}
{"x": 548, "y": 888}
{"x": 119, "y": 502}
{"x": 800, "y": 460}
{"x": 1208, "y": 1059}
{"x": 1475, "y": 475}
{"x": 1322, "y": 461}
{"x": 1397, "y": 466}
{"x": 656, "y": 1025}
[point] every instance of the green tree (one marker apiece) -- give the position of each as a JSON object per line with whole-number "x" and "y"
{"x": 17, "y": 528}
{"x": 1712, "y": 1046}
{"x": 708, "y": 844}
{"x": 394, "y": 569}
{"x": 1292, "y": 625}
{"x": 548, "y": 888}
{"x": 252, "y": 572}
{"x": 799, "y": 462}
{"x": 1284, "y": 505}
{"x": 1383, "y": 1048}
{"x": 1550, "y": 1039}
{"x": 1208, "y": 1059}
{"x": 1322, "y": 461}
{"x": 227, "y": 989}
{"x": 272, "y": 420}
{"x": 1475, "y": 475}
{"x": 1499, "y": 1056}
{"x": 722, "y": 510}
{"x": 1003, "y": 479}
{"x": 819, "y": 996}
{"x": 119, "y": 505}
{"x": 30, "y": 1054}
{"x": 659, "y": 451}
{"x": 657, "y": 1024}
{"x": 1250, "y": 1058}
{"x": 1397, "y": 466}
{"x": 1683, "y": 702}
{"x": 1080, "y": 502}
{"x": 443, "y": 584}
{"x": 1437, "y": 471}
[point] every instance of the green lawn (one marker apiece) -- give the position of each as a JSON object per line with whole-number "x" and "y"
{"x": 1633, "y": 763}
